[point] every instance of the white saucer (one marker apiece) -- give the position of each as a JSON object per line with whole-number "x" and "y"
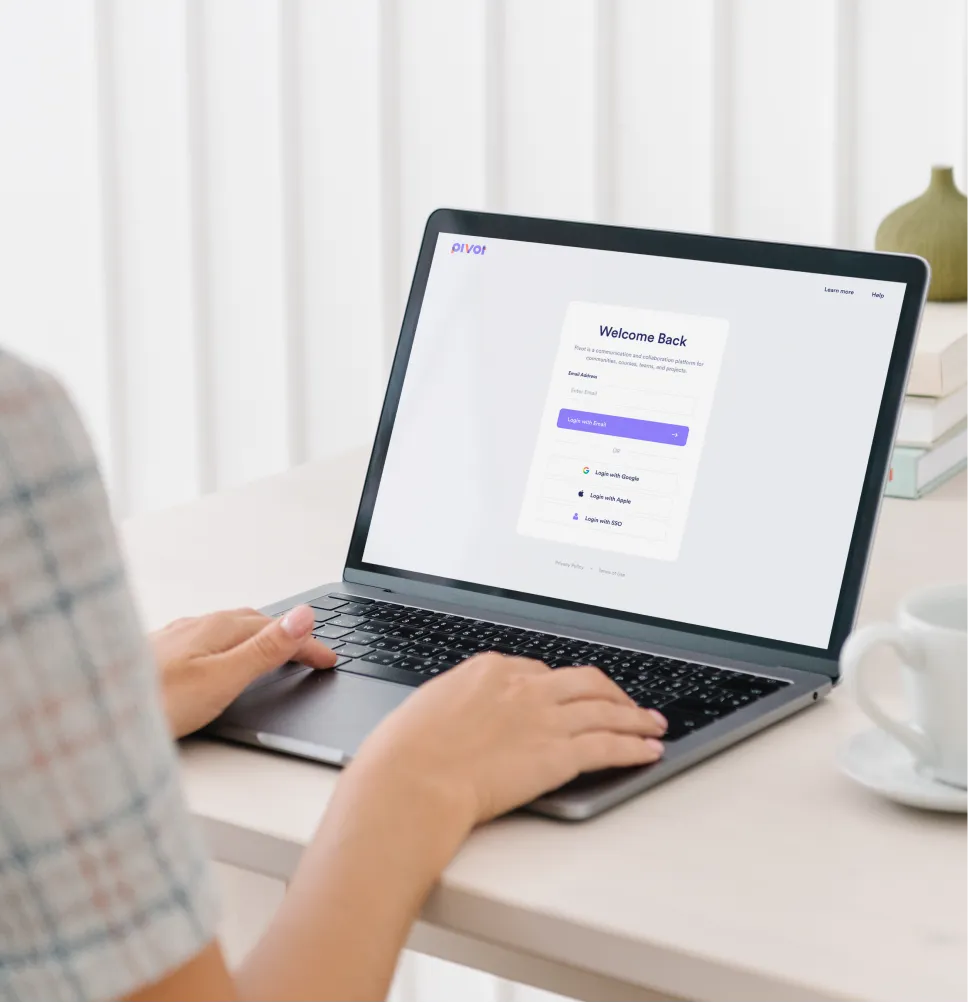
{"x": 877, "y": 761}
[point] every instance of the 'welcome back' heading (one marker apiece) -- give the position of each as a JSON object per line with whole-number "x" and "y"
{"x": 605, "y": 331}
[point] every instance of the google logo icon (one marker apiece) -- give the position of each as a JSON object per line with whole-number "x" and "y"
{"x": 585, "y": 470}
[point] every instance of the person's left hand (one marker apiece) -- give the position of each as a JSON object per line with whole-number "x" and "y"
{"x": 205, "y": 662}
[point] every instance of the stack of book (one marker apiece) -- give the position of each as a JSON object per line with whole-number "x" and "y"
{"x": 932, "y": 441}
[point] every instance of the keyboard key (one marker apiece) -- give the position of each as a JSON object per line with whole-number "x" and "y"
{"x": 355, "y": 608}
{"x": 700, "y": 701}
{"x": 439, "y": 637}
{"x": 420, "y": 619}
{"x": 323, "y": 615}
{"x": 480, "y": 630}
{"x": 673, "y": 670}
{"x": 392, "y": 644}
{"x": 765, "y": 687}
{"x": 413, "y": 664}
{"x": 756, "y": 685}
{"x": 438, "y": 667}
{"x": 324, "y": 602}
{"x": 729, "y": 702}
{"x": 330, "y": 630}
{"x": 384, "y": 657}
{"x": 376, "y": 623}
{"x": 531, "y": 653}
{"x": 436, "y": 651}
{"x": 470, "y": 645}
{"x": 365, "y": 667}
{"x": 360, "y": 637}
{"x": 343, "y": 597}
{"x": 355, "y": 650}
{"x": 683, "y": 722}
{"x": 423, "y": 664}
{"x": 347, "y": 621}
{"x": 650, "y": 698}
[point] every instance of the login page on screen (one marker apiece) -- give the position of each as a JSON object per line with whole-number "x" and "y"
{"x": 680, "y": 439}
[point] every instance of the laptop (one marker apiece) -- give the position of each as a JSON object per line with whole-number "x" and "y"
{"x": 659, "y": 453}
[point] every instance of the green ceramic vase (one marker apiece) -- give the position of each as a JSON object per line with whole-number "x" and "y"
{"x": 934, "y": 225}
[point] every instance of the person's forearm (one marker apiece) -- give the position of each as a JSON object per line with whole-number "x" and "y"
{"x": 360, "y": 885}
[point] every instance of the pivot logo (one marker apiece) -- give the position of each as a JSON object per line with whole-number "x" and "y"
{"x": 458, "y": 248}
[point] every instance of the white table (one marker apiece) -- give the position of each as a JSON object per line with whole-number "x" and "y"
{"x": 762, "y": 874}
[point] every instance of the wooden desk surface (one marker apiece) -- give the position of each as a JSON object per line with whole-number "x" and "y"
{"x": 761, "y": 874}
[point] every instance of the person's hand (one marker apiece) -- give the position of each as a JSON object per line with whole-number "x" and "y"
{"x": 205, "y": 662}
{"x": 496, "y": 732}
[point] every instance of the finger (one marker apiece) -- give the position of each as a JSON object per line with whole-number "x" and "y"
{"x": 227, "y": 628}
{"x": 180, "y": 622}
{"x": 525, "y": 666}
{"x": 315, "y": 654}
{"x": 601, "y": 750}
{"x": 275, "y": 644}
{"x": 585, "y": 682}
{"x": 581, "y": 716}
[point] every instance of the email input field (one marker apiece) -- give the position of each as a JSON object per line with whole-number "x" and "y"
{"x": 612, "y": 396}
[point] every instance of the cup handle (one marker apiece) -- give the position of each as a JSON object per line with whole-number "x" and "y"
{"x": 853, "y": 660}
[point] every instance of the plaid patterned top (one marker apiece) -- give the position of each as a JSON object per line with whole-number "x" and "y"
{"x": 103, "y": 879}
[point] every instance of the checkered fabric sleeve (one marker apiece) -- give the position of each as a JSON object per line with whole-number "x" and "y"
{"x": 104, "y": 884}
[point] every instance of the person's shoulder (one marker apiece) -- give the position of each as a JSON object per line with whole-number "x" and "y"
{"x": 24, "y": 386}
{"x": 36, "y": 411}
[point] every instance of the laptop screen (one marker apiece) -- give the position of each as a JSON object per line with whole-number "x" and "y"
{"x": 666, "y": 437}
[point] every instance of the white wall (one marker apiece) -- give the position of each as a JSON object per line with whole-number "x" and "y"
{"x": 209, "y": 209}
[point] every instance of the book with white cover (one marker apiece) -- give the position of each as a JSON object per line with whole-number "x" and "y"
{"x": 941, "y": 354}
{"x": 926, "y": 419}
{"x": 915, "y": 472}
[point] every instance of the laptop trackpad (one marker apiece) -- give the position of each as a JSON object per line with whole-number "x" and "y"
{"x": 322, "y": 715}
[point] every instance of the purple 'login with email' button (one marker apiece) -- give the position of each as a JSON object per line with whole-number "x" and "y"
{"x": 625, "y": 428}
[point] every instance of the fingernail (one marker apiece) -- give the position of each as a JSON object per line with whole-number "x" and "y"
{"x": 654, "y": 745}
{"x": 298, "y": 622}
{"x": 659, "y": 719}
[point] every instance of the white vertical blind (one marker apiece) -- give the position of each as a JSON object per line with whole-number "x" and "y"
{"x": 145, "y": 130}
{"x": 346, "y": 230}
{"x": 663, "y": 143}
{"x": 553, "y": 94}
{"x": 784, "y": 119}
{"x": 210, "y": 209}
{"x": 52, "y": 274}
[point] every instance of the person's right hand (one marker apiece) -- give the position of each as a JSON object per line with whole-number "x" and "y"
{"x": 495, "y": 732}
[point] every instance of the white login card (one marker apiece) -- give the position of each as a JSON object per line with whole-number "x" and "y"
{"x": 622, "y": 430}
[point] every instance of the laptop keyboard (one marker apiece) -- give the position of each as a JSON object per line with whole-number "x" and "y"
{"x": 409, "y": 645}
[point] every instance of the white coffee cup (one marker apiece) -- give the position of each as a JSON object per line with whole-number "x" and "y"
{"x": 929, "y": 637}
